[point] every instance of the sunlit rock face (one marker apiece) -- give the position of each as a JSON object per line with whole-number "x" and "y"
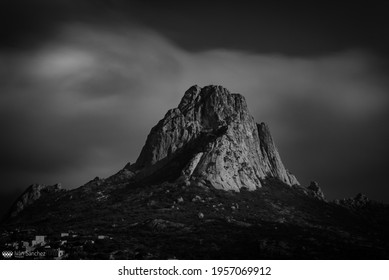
{"x": 223, "y": 146}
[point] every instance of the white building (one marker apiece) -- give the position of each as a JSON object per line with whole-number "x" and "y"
{"x": 39, "y": 240}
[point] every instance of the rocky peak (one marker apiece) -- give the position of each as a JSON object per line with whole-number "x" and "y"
{"x": 218, "y": 104}
{"x": 316, "y": 191}
{"x": 214, "y": 141}
{"x": 189, "y": 98}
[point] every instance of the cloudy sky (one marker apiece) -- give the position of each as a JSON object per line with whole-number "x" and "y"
{"x": 82, "y": 83}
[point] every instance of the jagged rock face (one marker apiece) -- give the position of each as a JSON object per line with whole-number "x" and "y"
{"x": 238, "y": 152}
{"x": 316, "y": 191}
{"x": 32, "y": 193}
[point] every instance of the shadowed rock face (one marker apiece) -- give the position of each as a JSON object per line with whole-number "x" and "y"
{"x": 223, "y": 146}
{"x": 316, "y": 191}
{"x": 32, "y": 193}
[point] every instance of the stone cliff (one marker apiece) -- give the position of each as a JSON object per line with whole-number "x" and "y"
{"x": 223, "y": 146}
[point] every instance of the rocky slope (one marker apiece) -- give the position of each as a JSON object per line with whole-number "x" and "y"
{"x": 173, "y": 220}
{"x": 30, "y": 195}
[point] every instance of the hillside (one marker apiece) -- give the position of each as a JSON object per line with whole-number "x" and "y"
{"x": 208, "y": 184}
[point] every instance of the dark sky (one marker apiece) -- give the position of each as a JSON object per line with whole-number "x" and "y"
{"x": 82, "y": 83}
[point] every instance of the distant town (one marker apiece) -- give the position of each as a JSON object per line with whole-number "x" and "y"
{"x": 28, "y": 244}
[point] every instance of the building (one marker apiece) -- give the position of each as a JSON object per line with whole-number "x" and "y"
{"x": 39, "y": 240}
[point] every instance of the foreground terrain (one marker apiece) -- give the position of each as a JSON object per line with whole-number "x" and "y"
{"x": 187, "y": 222}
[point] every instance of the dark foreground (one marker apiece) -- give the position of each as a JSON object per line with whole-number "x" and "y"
{"x": 174, "y": 221}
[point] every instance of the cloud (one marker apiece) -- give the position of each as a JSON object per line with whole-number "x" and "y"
{"x": 82, "y": 104}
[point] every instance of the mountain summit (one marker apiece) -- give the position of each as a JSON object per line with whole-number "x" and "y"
{"x": 211, "y": 139}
